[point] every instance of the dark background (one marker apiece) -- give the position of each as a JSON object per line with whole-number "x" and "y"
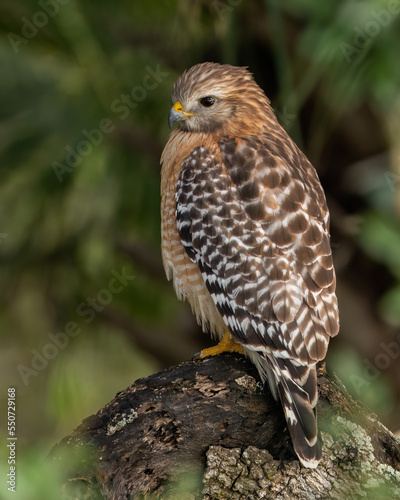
{"x": 84, "y": 99}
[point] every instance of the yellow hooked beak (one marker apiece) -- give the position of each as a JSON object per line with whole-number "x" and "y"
{"x": 177, "y": 114}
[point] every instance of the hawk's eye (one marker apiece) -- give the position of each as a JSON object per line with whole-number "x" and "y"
{"x": 207, "y": 102}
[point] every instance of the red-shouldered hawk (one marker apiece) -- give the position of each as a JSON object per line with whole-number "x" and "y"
{"x": 245, "y": 236}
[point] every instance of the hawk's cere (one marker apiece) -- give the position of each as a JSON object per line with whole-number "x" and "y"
{"x": 245, "y": 236}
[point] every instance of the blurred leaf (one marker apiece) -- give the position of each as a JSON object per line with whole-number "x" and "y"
{"x": 380, "y": 238}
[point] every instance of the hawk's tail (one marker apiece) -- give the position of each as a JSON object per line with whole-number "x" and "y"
{"x": 297, "y": 389}
{"x": 301, "y": 421}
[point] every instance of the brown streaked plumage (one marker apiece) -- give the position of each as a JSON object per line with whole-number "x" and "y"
{"x": 245, "y": 236}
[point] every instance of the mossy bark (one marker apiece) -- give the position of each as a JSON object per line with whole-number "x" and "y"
{"x": 207, "y": 429}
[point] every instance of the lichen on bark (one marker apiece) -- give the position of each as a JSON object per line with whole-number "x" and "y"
{"x": 207, "y": 429}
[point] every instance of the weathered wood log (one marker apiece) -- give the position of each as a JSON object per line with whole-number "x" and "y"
{"x": 207, "y": 429}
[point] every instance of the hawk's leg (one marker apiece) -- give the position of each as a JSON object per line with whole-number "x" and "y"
{"x": 227, "y": 344}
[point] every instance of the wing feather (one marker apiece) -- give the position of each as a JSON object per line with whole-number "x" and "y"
{"x": 255, "y": 222}
{"x": 276, "y": 267}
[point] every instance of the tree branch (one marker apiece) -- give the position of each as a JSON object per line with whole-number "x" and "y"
{"x": 207, "y": 429}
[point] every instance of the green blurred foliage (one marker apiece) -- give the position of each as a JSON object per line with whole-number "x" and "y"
{"x": 83, "y": 107}
{"x": 377, "y": 392}
{"x": 380, "y": 237}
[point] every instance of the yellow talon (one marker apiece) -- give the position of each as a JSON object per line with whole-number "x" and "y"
{"x": 227, "y": 344}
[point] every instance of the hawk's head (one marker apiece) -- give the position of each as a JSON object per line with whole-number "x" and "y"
{"x": 211, "y": 97}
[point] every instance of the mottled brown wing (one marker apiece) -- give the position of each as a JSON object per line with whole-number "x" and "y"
{"x": 252, "y": 215}
{"x": 255, "y": 221}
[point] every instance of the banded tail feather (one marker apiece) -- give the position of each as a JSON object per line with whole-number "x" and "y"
{"x": 297, "y": 391}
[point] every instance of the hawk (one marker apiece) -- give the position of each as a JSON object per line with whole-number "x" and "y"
{"x": 245, "y": 237}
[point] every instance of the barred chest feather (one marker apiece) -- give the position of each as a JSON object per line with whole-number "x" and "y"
{"x": 188, "y": 282}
